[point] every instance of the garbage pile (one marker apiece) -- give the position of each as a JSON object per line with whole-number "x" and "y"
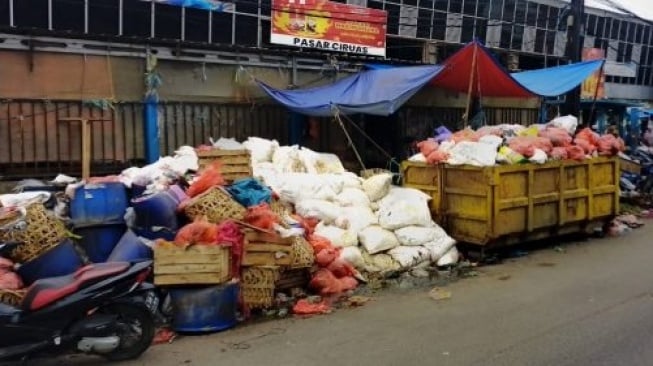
{"x": 249, "y": 226}
{"x": 516, "y": 144}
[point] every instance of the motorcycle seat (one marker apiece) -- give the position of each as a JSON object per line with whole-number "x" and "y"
{"x": 48, "y": 290}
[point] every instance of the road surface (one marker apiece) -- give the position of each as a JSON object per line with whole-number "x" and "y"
{"x": 589, "y": 305}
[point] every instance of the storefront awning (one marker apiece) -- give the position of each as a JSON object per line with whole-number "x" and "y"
{"x": 376, "y": 92}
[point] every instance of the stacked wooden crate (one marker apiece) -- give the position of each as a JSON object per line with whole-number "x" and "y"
{"x": 194, "y": 265}
{"x": 234, "y": 164}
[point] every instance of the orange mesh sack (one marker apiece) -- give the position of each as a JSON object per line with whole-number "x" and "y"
{"x": 209, "y": 177}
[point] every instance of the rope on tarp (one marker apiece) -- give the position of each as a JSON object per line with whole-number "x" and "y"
{"x": 392, "y": 162}
{"x": 349, "y": 140}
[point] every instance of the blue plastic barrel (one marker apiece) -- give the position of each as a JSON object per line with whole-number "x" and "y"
{"x": 156, "y": 210}
{"x": 95, "y": 204}
{"x": 61, "y": 260}
{"x": 99, "y": 241}
{"x": 130, "y": 249}
{"x": 164, "y": 234}
{"x": 205, "y": 309}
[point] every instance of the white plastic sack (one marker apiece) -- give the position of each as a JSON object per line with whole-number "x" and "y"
{"x": 569, "y": 123}
{"x": 355, "y": 219}
{"x": 491, "y": 140}
{"x": 376, "y": 239}
{"x": 320, "y": 163}
{"x": 261, "y": 150}
{"x": 440, "y": 247}
{"x": 539, "y": 157}
{"x": 338, "y": 237}
{"x": 288, "y": 159}
{"x": 25, "y": 198}
{"x": 227, "y": 144}
{"x": 321, "y": 210}
{"x": 419, "y": 158}
{"x": 353, "y": 197}
{"x": 379, "y": 263}
{"x": 416, "y": 235}
{"x": 348, "y": 180}
{"x": 408, "y": 257}
{"x": 353, "y": 256}
{"x": 377, "y": 187}
{"x": 472, "y": 153}
{"x": 398, "y": 194}
{"x": 451, "y": 257}
{"x": 294, "y": 187}
{"x": 404, "y": 213}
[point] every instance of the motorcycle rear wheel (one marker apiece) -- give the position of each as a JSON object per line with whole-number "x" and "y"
{"x": 136, "y": 331}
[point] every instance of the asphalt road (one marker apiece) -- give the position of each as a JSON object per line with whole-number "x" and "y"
{"x": 589, "y": 305}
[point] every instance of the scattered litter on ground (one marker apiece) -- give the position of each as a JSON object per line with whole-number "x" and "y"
{"x": 439, "y": 294}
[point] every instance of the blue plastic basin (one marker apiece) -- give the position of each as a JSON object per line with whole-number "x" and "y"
{"x": 58, "y": 261}
{"x": 99, "y": 241}
{"x": 96, "y": 204}
{"x": 204, "y": 309}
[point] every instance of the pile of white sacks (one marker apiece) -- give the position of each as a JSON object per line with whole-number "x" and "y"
{"x": 380, "y": 227}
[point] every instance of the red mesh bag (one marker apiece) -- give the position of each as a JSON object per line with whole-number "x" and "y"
{"x": 198, "y": 232}
{"x": 557, "y": 136}
{"x": 575, "y": 153}
{"x": 341, "y": 268}
{"x": 427, "y": 147}
{"x": 588, "y": 135}
{"x": 11, "y": 281}
{"x": 587, "y": 147}
{"x": 229, "y": 233}
{"x": 526, "y": 145}
{"x": 348, "y": 283}
{"x": 489, "y": 130}
{"x": 304, "y": 307}
{"x": 6, "y": 265}
{"x": 325, "y": 282}
{"x": 262, "y": 216}
{"x": 326, "y": 256}
{"x": 308, "y": 224}
{"x": 209, "y": 178}
{"x": 319, "y": 243}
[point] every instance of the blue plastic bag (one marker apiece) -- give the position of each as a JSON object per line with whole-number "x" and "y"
{"x": 250, "y": 192}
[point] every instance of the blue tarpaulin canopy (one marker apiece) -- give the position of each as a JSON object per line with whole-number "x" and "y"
{"x": 490, "y": 79}
{"x": 554, "y": 81}
{"x": 376, "y": 92}
{"x": 197, "y": 4}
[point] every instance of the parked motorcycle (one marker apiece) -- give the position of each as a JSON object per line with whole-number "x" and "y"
{"x": 104, "y": 309}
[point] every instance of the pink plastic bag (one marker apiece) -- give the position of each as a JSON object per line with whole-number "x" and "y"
{"x": 427, "y": 147}
{"x": 557, "y": 136}
{"x": 559, "y": 153}
{"x": 10, "y": 281}
{"x": 575, "y": 153}
{"x": 341, "y": 268}
{"x": 437, "y": 157}
{"x": 326, "y": 256}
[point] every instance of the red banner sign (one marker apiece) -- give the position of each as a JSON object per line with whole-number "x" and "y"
{"x": 330, "y": 26}
{"x": 594, "y": 85}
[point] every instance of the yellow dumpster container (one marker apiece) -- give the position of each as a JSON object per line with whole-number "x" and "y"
{"x": 506, "y": 204}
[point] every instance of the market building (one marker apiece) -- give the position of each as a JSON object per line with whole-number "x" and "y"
{"x": 103, "y": 59}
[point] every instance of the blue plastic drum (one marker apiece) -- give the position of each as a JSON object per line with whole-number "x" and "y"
{"x": 95, "y": 204}
{"x": 156, "y": 210}
{"x": 99, "y": 241}
{"x": 130, "y": 249}
{"x": 61, "y": 260}
{"x": 205, "y": 309}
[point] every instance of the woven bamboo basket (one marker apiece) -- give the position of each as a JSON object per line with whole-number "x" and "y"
{"x": 216, "y": 205}
{"x": 12, "y": 297}
{"x": 257, "y": 286}
{"x": 302, "y": 253}
{"x": 37, "y": 232}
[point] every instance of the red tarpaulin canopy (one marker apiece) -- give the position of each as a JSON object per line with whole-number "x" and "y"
{"x": 474, "y": 70}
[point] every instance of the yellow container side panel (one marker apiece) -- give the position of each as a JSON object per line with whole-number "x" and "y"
{"x": 426, "y": 178}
